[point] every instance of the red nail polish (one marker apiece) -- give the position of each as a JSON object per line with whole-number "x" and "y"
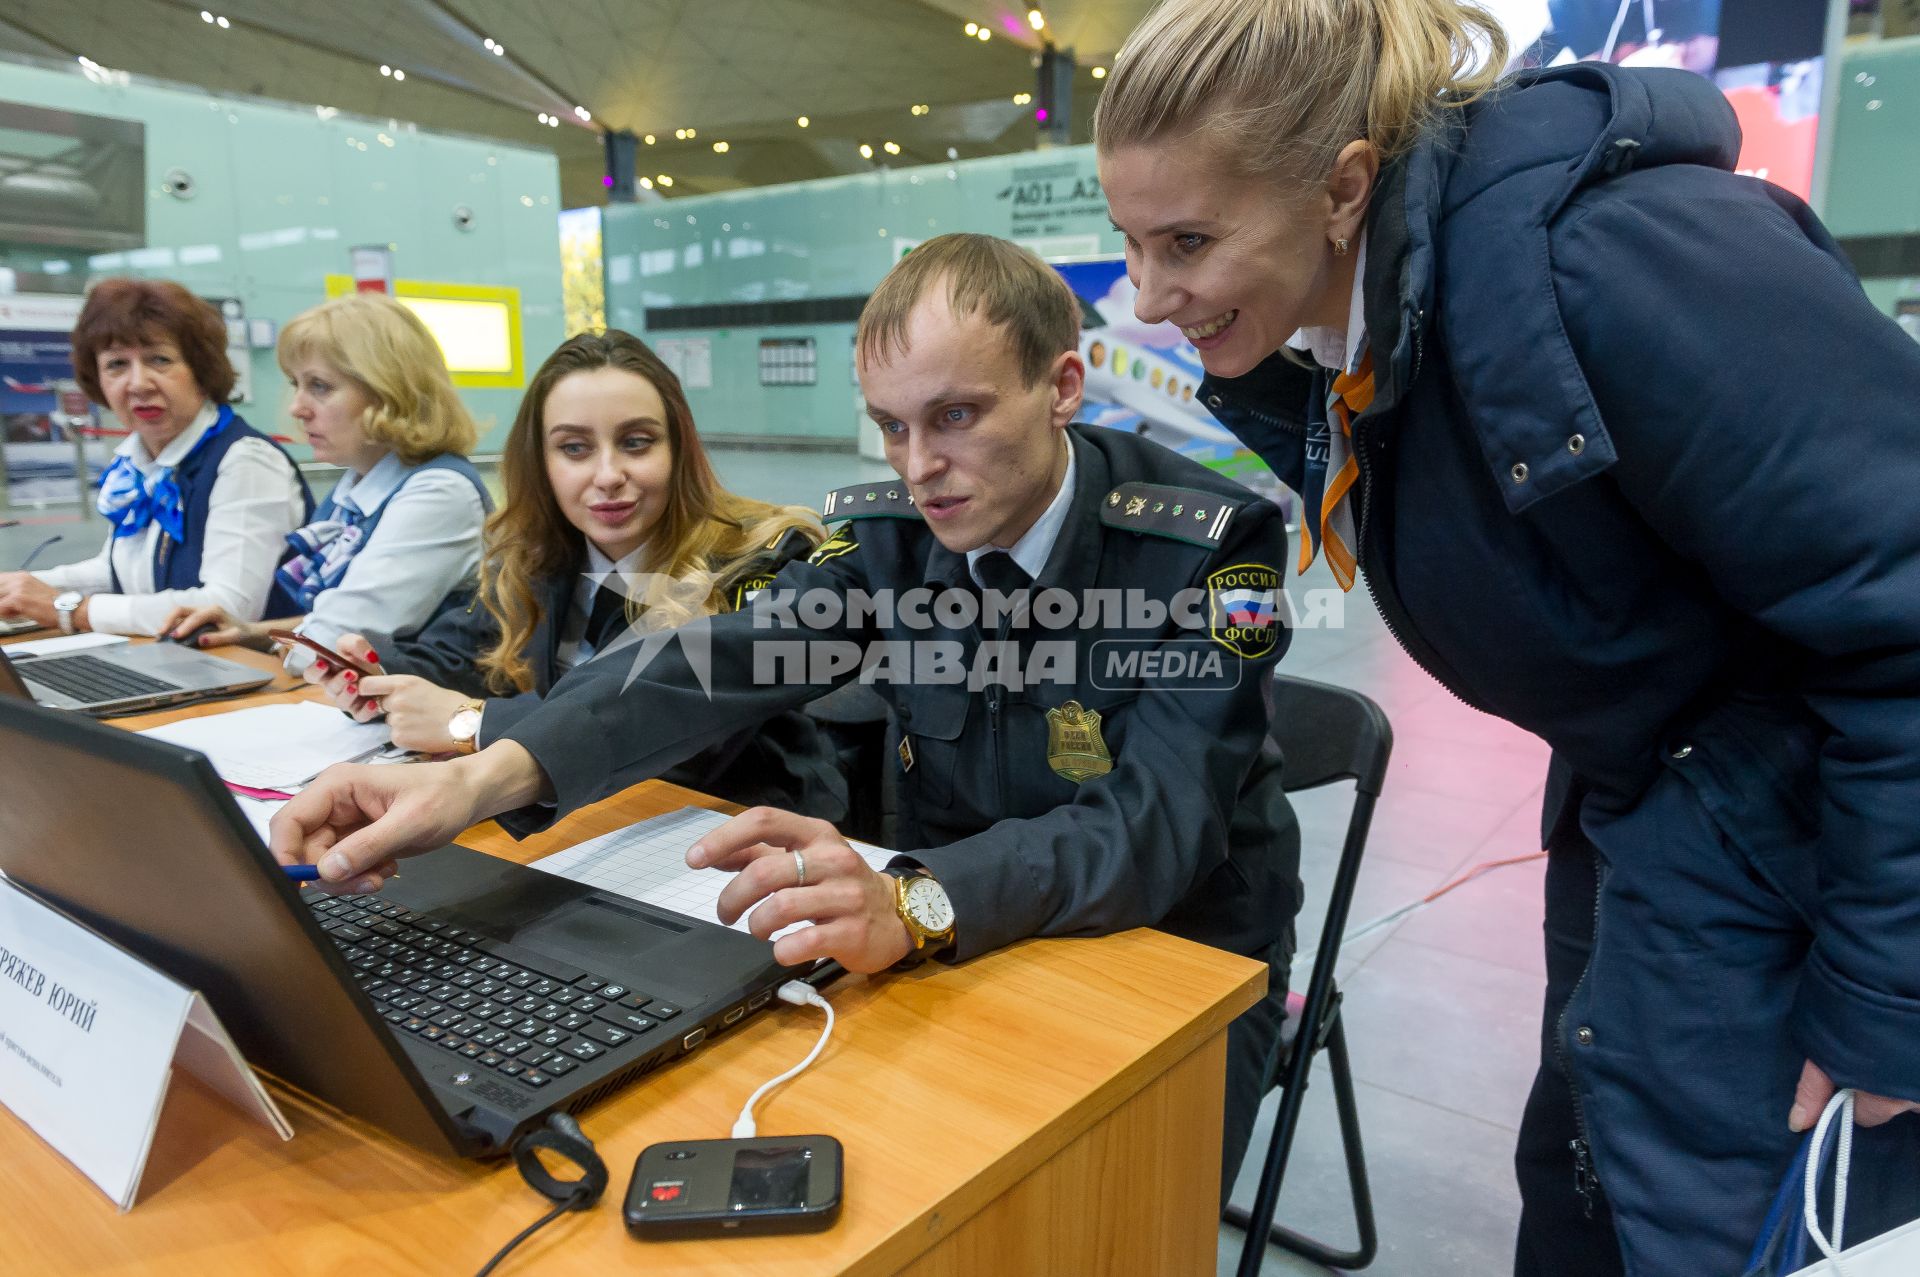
{"x": 373, "y": 656}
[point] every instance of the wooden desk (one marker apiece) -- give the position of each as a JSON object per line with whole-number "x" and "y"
{"x": 1052, "y": 1108}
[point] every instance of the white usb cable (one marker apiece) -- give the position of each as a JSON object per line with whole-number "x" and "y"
{"x": 795, "y": 993}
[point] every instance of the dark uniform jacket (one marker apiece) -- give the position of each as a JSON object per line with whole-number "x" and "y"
{"x": 1640, "y": 477}
{"x": 786, "y": 761}
{"x": 1036, "y": 816}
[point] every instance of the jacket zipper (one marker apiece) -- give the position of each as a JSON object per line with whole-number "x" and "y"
{"x": 1388, "y": 614}
{"x": 1586, "y": 1180}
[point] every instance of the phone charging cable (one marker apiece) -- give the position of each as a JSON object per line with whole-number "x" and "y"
{"x": 795, "y": 993}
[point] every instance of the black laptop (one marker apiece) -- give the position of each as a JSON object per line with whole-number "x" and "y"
{"x": 455, "y": 1009}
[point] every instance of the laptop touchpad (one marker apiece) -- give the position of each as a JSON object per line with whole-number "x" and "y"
{"x": 597, "y": 924}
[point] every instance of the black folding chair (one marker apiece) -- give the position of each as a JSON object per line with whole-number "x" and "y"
{"x": 1326, "y": 734}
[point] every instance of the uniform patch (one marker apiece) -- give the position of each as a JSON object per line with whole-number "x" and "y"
{"x": 843, "y": 541}
{"x": 748, "y": 587}
{"x": 886, "y": 499}
{"x": 1182, "y": 514}
{"x": 1243, "y": 609}
{"x": 1075, "y": 748}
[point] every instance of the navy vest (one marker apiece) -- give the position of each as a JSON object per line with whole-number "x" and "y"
{"x": 176, "y": 565}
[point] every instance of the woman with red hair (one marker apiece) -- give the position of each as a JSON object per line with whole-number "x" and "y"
{"x": 199, "y": 502}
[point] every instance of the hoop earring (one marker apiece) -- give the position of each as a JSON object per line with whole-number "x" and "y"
{"x": 1340, "y": 247}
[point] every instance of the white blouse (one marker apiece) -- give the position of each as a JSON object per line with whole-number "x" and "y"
{"x": 426, "y": 543}
{"x": 256, "y": 500}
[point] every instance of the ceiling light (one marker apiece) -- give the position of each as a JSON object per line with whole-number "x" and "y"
{"x": 222, "y": 22}
{"x": 973, "y": 28}
{"x": 720, "y": 148}
{"x": 385, "y": 69}
{"x": 398, "y": 74}
{"x": 953, "y": 153}
{"x": 646, "y": 183}
{"x": 489, "y": 43}
{"x": 583, "y": 113}
{"x": 1021, "y": 99}
{"x": 803, "y": 121}
{"x": 1036, "y": 19}
{"x": 680, "y": 134}
{"x": 648, "y": 139}
{"x": 893, "y": 148}
{"x": 692, "y": 134}
{"x": 205, "y": 16}
{"x": 543, "y": 117}
{"x": 498, "y": 48}
{"x": 1099, "y": 73}
{"x": 866, "y": 152}
{"x": 664, "y": 180}
{"x": 984, "y": 35}
{"x": 553, "y": 121}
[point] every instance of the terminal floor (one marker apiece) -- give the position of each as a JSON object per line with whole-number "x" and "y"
{"x": 1442, "y": 1009}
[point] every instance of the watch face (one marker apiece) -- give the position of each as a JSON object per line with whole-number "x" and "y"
{"x": 464, "y": 725}
{"x": 927, "y": 902}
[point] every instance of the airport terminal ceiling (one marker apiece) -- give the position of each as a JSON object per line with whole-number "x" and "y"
{"x": 741, "y": 73}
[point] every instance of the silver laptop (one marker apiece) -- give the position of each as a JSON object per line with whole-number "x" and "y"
{"x": 125, "y": 678}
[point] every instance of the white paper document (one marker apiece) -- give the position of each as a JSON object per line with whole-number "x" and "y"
{"x": 275, "y": 746}
{"x": 648, "y": 862}
{"x": 63, "y": 643}
{"x": 89, "y": 1038}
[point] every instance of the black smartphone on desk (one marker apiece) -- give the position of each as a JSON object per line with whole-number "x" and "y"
{"x": 710, "y": 1188}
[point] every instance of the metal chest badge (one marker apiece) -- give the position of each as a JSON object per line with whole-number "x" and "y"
{"x": 1075, "y": 749}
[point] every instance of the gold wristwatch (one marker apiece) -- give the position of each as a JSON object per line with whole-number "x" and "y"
{"x": 464, "y": 727}
{"x": 923, "y": 906}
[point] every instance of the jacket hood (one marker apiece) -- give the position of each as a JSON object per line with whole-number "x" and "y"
{"x": 1558, "y": 130}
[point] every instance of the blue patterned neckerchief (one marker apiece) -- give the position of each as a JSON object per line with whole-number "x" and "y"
{"x": 130, "y": 500}
{"x": 322, "y": 550}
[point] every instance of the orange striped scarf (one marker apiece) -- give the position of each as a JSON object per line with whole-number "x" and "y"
{"x": 1352, "y": 392}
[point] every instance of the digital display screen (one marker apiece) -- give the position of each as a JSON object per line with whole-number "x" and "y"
{"x": 770, "y": 1178}
{"x": 1765, "y": 56}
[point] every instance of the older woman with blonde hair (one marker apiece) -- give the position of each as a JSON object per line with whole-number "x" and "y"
{"x": 1627, "y": 459}
{"x": 402, "y": 528}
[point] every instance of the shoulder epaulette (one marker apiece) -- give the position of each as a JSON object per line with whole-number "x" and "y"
{"x": 889, "y": 498}
{"x": 1183, "y": 514}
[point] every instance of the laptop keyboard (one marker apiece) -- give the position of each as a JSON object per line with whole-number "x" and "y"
{"x": 90, "y": 679}
{"x": 525, "y": 1016}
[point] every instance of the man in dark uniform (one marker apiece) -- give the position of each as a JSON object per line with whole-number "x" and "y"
{"x": 1075, "y": 629}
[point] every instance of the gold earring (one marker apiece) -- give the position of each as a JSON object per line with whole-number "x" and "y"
{"x": 1340, "y": 248}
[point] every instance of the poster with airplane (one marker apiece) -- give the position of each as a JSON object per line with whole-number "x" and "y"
{"x": 1144, "y": 378}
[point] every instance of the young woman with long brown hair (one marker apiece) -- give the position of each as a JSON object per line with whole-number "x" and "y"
{"x": 614, "y": 526}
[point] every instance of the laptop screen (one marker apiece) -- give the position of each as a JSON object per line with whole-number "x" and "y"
{"x": 169, "y": 869}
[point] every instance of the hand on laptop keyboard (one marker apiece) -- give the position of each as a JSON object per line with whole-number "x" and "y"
{"x": 352, "y": 822}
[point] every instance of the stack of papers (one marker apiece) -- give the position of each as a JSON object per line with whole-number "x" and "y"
{"x": 275, "y": 747}
{"x": 648, "y": 862}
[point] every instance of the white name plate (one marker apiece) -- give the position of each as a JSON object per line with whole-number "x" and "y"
{"x": 89, "y": 1038}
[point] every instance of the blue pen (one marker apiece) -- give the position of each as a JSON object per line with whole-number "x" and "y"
{"x": 302, "y": 873}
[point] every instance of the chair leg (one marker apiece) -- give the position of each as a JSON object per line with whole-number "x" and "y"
{"x": 1362, "y": 1192}
{"x": 1356, "y": 1158}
